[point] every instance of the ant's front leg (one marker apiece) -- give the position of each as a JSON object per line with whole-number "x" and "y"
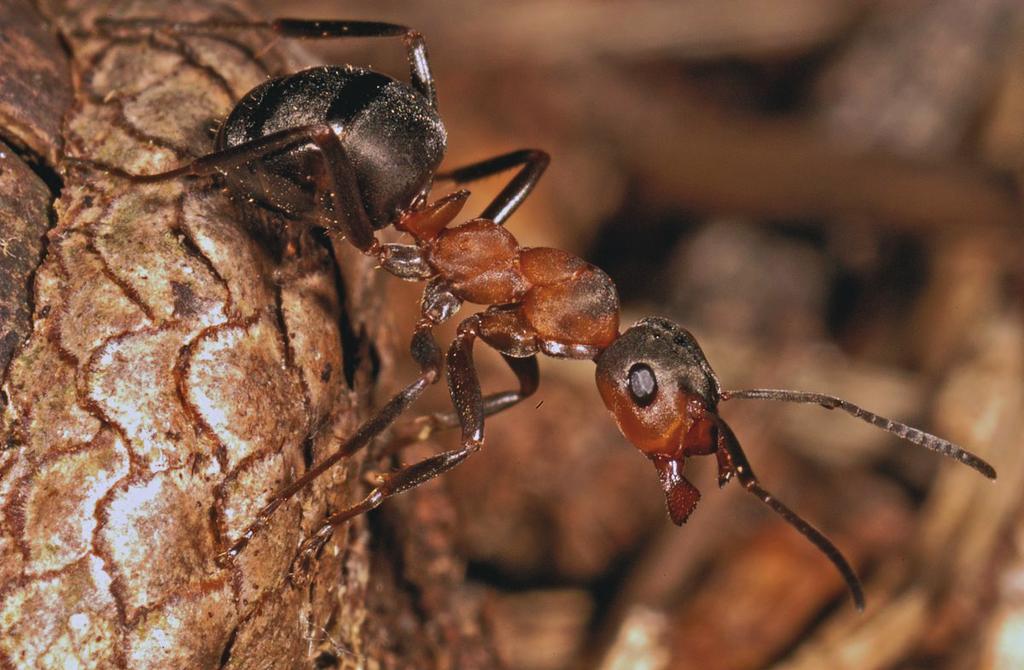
{"x": 427, "y": 354}
{"x": 420, "y": 75}
{"x": 533, "y": 162}
{"x": 464, "y": 386}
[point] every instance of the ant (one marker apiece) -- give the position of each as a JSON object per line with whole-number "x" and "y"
{"x": 354, "y": 151}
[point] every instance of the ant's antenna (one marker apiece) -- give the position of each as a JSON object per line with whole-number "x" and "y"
{"x": 740, "y": 466}
{"x": 908, "y": 433}
{"x": 817, "y": 539}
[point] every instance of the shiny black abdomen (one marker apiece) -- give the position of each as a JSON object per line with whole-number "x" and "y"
{"x": 392, "y": 135}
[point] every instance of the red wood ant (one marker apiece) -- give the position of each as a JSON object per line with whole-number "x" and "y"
{"x": 354, "y": 151}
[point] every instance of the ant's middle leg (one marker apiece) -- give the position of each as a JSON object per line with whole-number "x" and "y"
{"x": 528, "y": 375}
{"x": 427, "y": 354}
{"x": 441, "y": 303}
{"x": 464, "y": 386}
{"x": 415, "y": 46}
{"x": 533, "y": 162}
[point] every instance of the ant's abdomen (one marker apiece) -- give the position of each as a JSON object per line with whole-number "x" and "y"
{"x": 390, "y": 133}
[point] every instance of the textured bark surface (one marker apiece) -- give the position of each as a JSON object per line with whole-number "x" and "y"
{"x": 35, "y": 88}
{"x": 24, "y": 218}
{"x": 183, "y": 365}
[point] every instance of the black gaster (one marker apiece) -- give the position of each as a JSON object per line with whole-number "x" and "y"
{"x": 391, "y": 133}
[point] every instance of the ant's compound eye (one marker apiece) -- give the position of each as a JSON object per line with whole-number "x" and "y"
{"x": 643, "y": 386}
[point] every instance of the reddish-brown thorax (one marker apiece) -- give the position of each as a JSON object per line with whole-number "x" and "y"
{"x": 568, "y": 305}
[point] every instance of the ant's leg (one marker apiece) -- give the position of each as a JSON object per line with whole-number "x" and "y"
{"x": 526, "y": 372}
{"x": 436, "y": 299}
{"x": 415, "y": 46}
{"x": 468, "y": 400}
{"x": 337, "y": 170}
{"x": 427, "y": 354}
{"x": 732, "y": 461}
{"x": 533, "y": 162}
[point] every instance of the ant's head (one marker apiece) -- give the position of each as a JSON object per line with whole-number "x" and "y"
{"x": 657, "y": 382}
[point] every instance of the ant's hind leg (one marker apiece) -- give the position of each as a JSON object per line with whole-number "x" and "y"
{"x": 533, "y": 162}
{"x": 464, "y": 386}
{"x": 420, "y": 75}
{"x": 336, "y": 171}
{"x": 428, "y": 355}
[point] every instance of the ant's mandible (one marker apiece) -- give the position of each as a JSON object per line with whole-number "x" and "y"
{"x": 354, "y": 151}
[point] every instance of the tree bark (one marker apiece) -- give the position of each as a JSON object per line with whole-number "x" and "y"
{"x": 181, "y": 365}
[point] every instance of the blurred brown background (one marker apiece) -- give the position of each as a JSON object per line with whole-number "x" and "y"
{"x": 826, "y": 192}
